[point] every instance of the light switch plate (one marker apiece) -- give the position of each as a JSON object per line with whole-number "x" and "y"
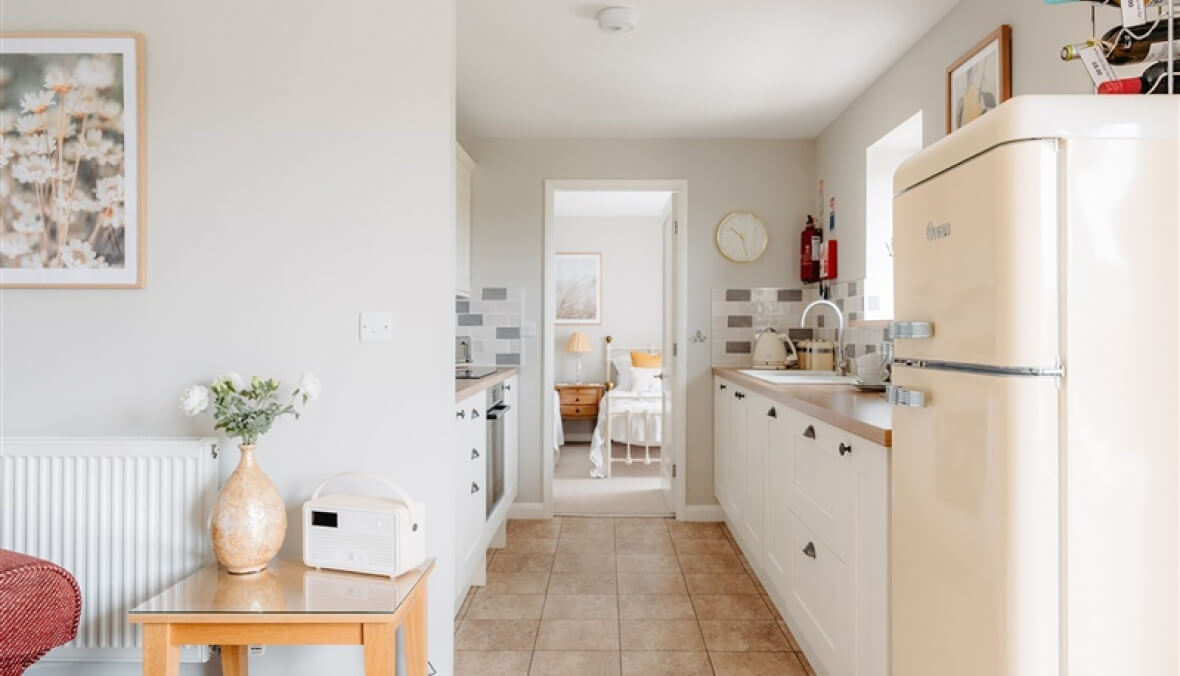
{"x": 528, "y": 330}
{"x": 376, "y": 327}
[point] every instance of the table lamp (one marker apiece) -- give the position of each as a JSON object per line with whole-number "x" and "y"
{"x": 579, "y": 344}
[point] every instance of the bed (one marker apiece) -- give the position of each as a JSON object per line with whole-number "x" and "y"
{"x": 631, "y": 412}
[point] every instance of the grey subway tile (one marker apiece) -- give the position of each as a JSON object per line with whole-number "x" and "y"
{"x": 851, "y": 288}
{"x": 504, "y": 359}
{"x": 508, "y": 332}
{"x": 738, "y": 295}
{"x": 462, "y": 306}
{"x": 790, "y": 295}
{"x": 495, "y": 293}
{"x": 737, "y": 347}
{"x": 470, "y": 320}
{"x": 799, "y": 334}
{"x": 740, "y": 321}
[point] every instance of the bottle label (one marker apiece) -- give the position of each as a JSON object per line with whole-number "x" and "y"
{"x": 815, "y": 245}
{"x": 1097, "y": 65}
{"x": 1134, "y": 12}
{"x": 1159, "y": 51}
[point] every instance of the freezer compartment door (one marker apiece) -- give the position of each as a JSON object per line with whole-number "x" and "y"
{"x": 975, "y": 512}
{"x": 976, "y": 256}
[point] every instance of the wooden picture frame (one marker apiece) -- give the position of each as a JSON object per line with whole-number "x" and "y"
{"x": 102, "y": 129}
{"x": 979, "y": 80}
{"x": 578, "y": 288}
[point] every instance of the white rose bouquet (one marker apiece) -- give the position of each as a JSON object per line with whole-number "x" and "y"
{"x": 245, "y": 411}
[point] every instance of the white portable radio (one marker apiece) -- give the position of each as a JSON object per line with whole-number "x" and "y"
{"x": 382, "y": 536}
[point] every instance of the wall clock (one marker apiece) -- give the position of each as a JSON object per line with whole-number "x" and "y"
{"x": 742, "y": 237}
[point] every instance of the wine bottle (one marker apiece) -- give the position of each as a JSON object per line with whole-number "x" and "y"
{"x": 1153, "y": 81}
{"x": 1122, "y": 48}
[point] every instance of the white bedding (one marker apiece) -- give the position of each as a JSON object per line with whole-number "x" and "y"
{"x": 645, "y": 429}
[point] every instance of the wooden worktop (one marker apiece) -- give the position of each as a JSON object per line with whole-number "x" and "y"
{"x": 865, "y": 414}
{"x": 469, "y": 388}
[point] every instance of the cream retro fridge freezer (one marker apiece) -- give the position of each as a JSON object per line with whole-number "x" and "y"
{"x": 1034, "y": 462}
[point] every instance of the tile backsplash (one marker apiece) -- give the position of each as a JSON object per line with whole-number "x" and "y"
{"x": 491, "y": 319}
{"x": 738, "y": 315}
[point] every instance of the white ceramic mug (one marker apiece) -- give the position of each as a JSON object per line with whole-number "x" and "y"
{"x": 871, "y": 368}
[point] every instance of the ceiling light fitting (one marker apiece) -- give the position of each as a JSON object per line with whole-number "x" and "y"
{"x": 617, "y": 20}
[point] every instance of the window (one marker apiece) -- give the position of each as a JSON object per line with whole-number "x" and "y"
{"x": 881, "y": 161}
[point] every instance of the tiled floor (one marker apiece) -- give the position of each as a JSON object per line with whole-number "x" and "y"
{"x": 584, "y": 596}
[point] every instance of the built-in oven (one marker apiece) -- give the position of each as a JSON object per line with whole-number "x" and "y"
{"x": 495, "y": 420}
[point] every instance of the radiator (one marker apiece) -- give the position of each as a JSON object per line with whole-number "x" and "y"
{"x": 125, "y": 516}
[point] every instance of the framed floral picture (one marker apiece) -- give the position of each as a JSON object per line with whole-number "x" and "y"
{"x": 979, "y": 80}
{"x": 72, "y": 198}
{"x": 578, "y": 281}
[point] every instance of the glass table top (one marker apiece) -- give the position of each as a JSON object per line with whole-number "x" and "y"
{"x": 284, "y": 587}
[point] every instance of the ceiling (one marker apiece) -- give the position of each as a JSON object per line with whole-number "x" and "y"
{"x": 692, "y": 68}
{"x": 609, "y": 204}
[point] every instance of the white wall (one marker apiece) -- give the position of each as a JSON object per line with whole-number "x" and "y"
{"x": 632, "y": 288}
{"x": 772, "y": 178}
{"x": 917, "y": 81}
{"x": 300, "y": 171}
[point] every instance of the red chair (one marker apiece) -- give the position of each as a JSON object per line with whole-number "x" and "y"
{"x": 39, "y": 608}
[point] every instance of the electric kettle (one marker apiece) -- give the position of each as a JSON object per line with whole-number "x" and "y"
{"x": 770, "y": 351}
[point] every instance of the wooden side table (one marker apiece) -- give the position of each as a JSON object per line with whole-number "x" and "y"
{"x": 286, "y": 604}
{"x": 580, "y": 402}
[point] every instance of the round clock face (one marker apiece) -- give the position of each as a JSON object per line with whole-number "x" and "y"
{"x": 742, "y": 237}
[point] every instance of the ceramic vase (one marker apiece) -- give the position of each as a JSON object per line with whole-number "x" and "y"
{"x": 249, "y": 519}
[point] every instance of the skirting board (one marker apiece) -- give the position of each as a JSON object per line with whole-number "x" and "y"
{"x": 703, "y": 513}
{"x": 536, "y": 510}
{"x": 527, "y": 510}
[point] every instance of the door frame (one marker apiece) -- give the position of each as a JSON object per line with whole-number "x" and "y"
{"x": 679, "y": 296}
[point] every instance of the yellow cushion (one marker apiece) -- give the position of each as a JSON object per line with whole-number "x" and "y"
{"x": 644, "y": 360}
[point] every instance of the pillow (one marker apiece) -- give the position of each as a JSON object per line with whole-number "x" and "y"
{"x": 646, "y": 380}
{"x": 647, "y": 361}
{"x": 621, "y": 364}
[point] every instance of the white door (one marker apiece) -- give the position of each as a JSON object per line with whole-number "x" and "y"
{"x": 975, "y": 510}
{"x": 721, "y": 438}
{"x": 754, "y": 484}
{"x": 668, "y": 441}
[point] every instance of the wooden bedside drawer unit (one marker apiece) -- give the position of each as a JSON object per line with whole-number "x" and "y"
{"x": 580, "y": 402}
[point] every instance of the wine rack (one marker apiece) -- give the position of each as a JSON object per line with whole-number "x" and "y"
{"x": 1165, "y": 12}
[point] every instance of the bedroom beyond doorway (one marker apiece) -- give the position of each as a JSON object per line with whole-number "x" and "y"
{"x": 612, "y": 312}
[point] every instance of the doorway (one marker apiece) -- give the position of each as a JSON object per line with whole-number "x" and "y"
{"x": 614, "y": 321}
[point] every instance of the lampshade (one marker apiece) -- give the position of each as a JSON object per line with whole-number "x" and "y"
{"x": 579, "y": 343}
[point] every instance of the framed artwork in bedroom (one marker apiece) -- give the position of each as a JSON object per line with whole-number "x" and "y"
{"x": 578, "y": 281}
{"x": 72, "y": 149}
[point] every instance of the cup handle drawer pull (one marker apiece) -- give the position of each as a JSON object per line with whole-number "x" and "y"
{"x": 474, "y": 488}
{"x": 723, "y": 386}
{"x": 474, "y": 454}
{"x": 461, "y": 414}
{"x": 474, "y": 414}
{"x": 772, "y": 413}
{"x": 739, "y": 395}
{"x": 809, "y": 550}
{"x": 809, "y": 433}
{"x": 845, "y": 449}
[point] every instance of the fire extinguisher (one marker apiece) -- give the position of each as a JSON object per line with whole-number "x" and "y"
{"x": 809, "y": 245}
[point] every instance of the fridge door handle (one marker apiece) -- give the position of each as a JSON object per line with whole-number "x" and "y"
{"x": 910, "y": 330}
{"x": 899, "y": 396}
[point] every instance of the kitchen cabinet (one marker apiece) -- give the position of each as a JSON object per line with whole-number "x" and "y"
{"x": 475, "y": 529}
{"x": 470, "y": 472}
{"x": 464, "y": 169}
{"x": 808, "y": 504}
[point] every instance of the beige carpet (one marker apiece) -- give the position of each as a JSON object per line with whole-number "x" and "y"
{"x": 631, "y": 491}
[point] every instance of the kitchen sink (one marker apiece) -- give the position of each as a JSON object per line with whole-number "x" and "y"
{"x": 799, "y": 377}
